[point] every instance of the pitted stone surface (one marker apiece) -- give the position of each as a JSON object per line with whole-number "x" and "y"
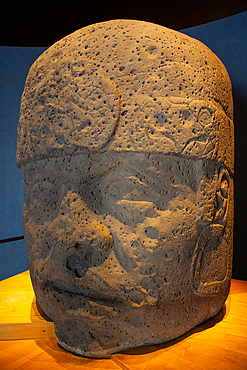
{"x": 125, "y": 141}
{"x": 140, "y": 86}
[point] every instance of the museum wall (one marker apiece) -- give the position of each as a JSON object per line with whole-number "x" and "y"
{"x": 35, "y": 23}
{"x": 226, "y": 37}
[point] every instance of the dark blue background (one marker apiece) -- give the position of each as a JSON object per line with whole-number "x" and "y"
{"x": 227, "y": 38}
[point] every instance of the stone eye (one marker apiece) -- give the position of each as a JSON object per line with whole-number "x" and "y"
{"x": 44, "y": 201}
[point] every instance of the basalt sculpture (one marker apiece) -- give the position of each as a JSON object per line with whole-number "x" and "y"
{"x": 125, "y": 141}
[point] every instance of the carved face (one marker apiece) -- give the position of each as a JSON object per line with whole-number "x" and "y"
{"x": 125, "y": 140}
{"x": 111, "y": 239}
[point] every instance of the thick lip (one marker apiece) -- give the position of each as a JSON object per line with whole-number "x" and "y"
{"x": 87, "y": 292}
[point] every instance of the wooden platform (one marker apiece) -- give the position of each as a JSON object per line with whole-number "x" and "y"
{"x": 27, "y": 340}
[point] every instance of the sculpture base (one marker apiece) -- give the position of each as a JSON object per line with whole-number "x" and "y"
{"x": 221, "y": 341}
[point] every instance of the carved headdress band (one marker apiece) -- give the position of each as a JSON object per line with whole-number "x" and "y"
{"x": 154, "y": 92}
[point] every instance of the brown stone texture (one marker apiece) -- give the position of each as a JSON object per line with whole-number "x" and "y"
{"x": 125, "y": 141}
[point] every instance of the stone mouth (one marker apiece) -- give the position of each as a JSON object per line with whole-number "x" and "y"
{"x": 85, "y": 291}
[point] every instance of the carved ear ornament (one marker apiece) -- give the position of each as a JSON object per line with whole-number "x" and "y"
{"x": 210, "y": 263}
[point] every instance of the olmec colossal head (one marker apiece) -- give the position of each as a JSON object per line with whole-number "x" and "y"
{"x": 125, "y": 141}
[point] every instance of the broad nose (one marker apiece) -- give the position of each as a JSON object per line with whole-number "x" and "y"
{"x": 76, "y": 227}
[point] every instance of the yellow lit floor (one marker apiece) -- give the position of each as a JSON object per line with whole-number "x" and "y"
{"x": 27, "y": 340}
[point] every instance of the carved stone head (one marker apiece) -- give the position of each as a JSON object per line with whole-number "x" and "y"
{"x": 125, "y": 141}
